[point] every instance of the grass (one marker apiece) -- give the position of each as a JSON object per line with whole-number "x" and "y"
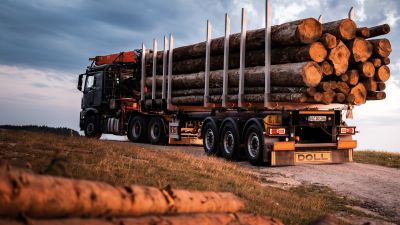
{"x": 388, "y": 159}
{"x": 125, "y": 163}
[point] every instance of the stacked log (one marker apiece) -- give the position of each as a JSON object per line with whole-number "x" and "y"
{"x": 334, "y": 62}
{"x": 54, "y": 200}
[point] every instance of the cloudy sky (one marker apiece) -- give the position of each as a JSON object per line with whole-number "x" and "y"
{"x": 45, "y": 44}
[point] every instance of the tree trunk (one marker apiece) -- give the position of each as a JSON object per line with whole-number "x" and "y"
{"x": 360, "y": 49}
{"x": 376, "y": 61}
{"x": 294, "y": 74}
{"x": 363, "y": 32}
{"x": 343, "y": 29}
{"x": 382, "y": 47}
{"x": 324, "y": 86}
{"x": 376, "y": 95}
{"x": 353, "y": 77}
{"x": 313, "y": 52}
{"x": 328, "y": 97}
{"x": 342, "y": 87}
{"x": 385, "y": 61}
{"x": 379, "y": 30}
{"x": 328, "y": 40}
{"x": 318, "y": 97}
{"x": 360, "y": 94}
{"x": 383, "y": 73}
{"x": 333, "y": 84}
{"x": 180, "y": 219}
{"x": 381, "y": 86}
{"x": 339, "y": 57}
{"x": 327, "y": 68}
{"x": 303, "y": 31}
{"x": 38, "y": 196}
{"x": 370, "y": 84}
{"x": 344, "y": 77}
{"x": 340, "y": 97}
{"x": 366, "y": 69}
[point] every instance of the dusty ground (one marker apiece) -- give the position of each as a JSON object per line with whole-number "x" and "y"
{"x": 376, "y": 187}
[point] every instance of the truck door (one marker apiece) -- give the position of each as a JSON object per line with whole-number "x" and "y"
{"x": 93, "y": 90}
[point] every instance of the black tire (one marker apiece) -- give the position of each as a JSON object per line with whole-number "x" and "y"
{"x": 137, "y": 129}
{"x": 92, "y": 127}
{"x": 229, "y": 142}
{"x": 156, "y": 131}
{"x": 210, "y": 139}
{"x": 254, "y": 145}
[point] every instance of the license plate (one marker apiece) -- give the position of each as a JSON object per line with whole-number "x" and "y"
{"x": 317, "y": 118}
{"x": 312, "y": 157}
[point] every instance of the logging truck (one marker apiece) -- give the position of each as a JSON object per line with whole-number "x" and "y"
{"x": 274, "y": 96}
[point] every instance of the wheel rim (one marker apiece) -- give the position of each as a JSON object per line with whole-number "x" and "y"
{"x": 229, "y": 142}
{"x": 210, "y": 139}
{"x": 90, "y": 128}
{"x": 155, "y": 131}
{"x": 136, "y": 129}
{"x": 253, "y": 145}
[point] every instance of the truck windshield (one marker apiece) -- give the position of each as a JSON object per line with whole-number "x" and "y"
{"x": 89, "y": 82}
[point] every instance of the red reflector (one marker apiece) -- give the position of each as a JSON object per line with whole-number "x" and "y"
{"x": 277, "y": 131}
{"x": 347, "y": 130}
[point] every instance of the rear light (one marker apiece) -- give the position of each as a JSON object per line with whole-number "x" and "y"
{"x": 347, "y": 130}
{"x": 277, "y": 131}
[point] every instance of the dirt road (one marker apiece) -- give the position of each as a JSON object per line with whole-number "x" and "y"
{"x": 377, "y": 187}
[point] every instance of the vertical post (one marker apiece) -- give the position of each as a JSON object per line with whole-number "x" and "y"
{"x": 242, "y": 58}
{"x": 153, "y": 84}
{"x": 207, "y": 66}
{"x": 352, "y": 13}
{"x": 164, "y": 75}
{"x": 143, "y": 73}
{"x": 171, "y": 49}
{"x": 320, "y": 19}
{"x": 268, "y": 21}
{"x": 226, "y": 60}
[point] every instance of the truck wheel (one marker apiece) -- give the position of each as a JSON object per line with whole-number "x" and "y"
{"x": 92, "y": 127}
{"x": 254, "y": 146}
{"x": 137, "y": 129}
{"x": 210, "y": 139}
{"x": 229, "y": 142}
{"x": 156, "y": 131}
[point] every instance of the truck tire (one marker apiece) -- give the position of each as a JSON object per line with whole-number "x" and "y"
{"x": 92, "y": 127}
{"x": 156, "y": 131}
{"x": 253, "y": 144}
{"x": 210, "y": 139}
{"x": 229, "y": 142}
{"x": 137, "y": 129}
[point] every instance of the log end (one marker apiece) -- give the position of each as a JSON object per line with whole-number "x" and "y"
{"x": 329, "y": 40}
{"x": 318, "y": 52}
{"x": 347, "y": 29}
{"x": 327, "y": 68}
{"x": 367, "y": 69}
{"x": 339, "y": 56}
{"x": 361, "y": 50}
{"x": 360, "y": 94}
{"x": 309, "y": 30}
{"x": 383, "y": 73}
{"x": 312, "y": 74}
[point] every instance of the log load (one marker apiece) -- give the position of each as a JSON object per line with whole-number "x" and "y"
{"x": 305, "y": 31}
{"x": 39, "y": 196}
{"x": 294, "y": 74}
{"x": 343, "y": 29}
{"x": 313, "y": 52}
{"x": 182, "y": 219}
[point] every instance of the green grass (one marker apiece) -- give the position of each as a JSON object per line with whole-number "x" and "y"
{"x": 125, "y": 163}
{"x": 388, "y": 159}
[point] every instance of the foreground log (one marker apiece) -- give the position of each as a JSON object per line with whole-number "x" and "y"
{"x": 353, "y": 77}
{"x": 363, "y": 32}
{"x": 339, "y": 57}
{"x": 379, "y": 30}
{"x": 383, "y": 73}
{"x": 366, "y": 69}
{"x": 328, "y": 40}
{"x": 382, "y": 47}
{"x": 343, "y": 29}
{"x": 313, "y": 52}
{"x": 305, "y": 31}
{"x": 360, "y": 49}
{"x": 183, "y": 219}
{"x": 376, "y": 95}
{"x": 39, "y": 196}
{"x": 327, "y": 68}
{"x": 293, "y": 74}
{"x": 359, "y": 93}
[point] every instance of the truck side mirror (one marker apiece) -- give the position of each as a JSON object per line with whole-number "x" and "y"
{"x": 80, "y": 82}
